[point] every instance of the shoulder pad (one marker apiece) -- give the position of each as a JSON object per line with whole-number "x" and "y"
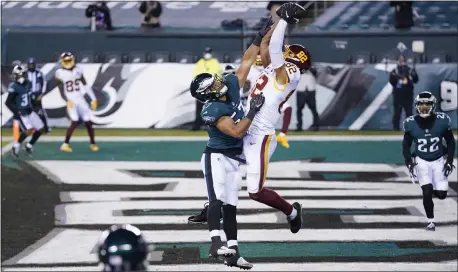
{"x": 211, "y": 112}
{"x": 11, "y": 87}
{"x": 444, "y": 118}
{"x": 233, "y": 89}
{"x": 408, "y": 123}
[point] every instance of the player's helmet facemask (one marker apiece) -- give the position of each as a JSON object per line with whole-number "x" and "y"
{"x": 123, "y": 248}
{"x": 207, "y": 87}
{"x": 425, "y": 103}
{"x": 298, "y": 55}
{"x": 67, "y": 60}
{"x": 18, "y": 74}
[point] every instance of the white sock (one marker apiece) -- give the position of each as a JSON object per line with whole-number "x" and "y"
{"x": 16, "y": 145}
{"x": 28, "y": 145}
{"x": 293, "y": 214}
{"x": 282, "y": 134}
{"x": 232, "y": 243}
{"x": 431, "y": 220}
{"x": 214, "y": 233}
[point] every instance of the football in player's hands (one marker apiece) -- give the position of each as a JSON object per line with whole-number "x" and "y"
{"x": 290, "y": 12}
{"x": 257, "y": 101}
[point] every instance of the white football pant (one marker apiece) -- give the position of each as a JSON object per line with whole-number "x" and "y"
{"x": 222, "y": 177}
{"x": 30, "y": 121}
{"x": 79, "y": 111}
{"x": 430, "y": 172}
{"x": 257, "y": 150}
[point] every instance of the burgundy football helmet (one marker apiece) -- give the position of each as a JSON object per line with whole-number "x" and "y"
{"x": 298, "y": 55}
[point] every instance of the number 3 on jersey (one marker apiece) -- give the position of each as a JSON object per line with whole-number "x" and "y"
{"x": 261, "y": 83}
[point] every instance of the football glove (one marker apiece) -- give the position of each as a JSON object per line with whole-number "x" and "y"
{"x": 290, "y": 12}
{"x": 266, "y": 27}
{"x": 411, "y": 167}
{"x": 94, "y": 105}
{"x": 69, "y": 104}
{"x": 448, "y": 168}
{"x": 256, "y": 102}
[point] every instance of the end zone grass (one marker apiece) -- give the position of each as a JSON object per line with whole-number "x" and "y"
{"x": 7, "y": 132}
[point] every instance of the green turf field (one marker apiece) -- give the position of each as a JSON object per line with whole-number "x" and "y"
{"x": 7, "y": 132}
{"x": 4, "y": 143}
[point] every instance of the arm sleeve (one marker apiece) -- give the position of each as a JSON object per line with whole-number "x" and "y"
{"x": 9, "y": 103}
{"x": 276, "y": 44}
{"x": 451, "y": 145}
{"x": 406, "y": 148}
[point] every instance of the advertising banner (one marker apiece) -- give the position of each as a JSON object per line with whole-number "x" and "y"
{"x": 355, "y": 97}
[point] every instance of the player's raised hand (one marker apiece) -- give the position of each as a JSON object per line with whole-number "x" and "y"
{"x": 448, "y": 168}
{"x": 290, "y": 12}
{"x": 266, "y": 27}
{"x": 257, "y": 101}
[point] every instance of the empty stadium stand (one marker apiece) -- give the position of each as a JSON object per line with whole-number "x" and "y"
{"x": 356, "y": 16}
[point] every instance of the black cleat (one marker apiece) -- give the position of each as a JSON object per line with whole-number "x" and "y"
{"x": 218, "y": 250}
{"x": 29, "y": 149}
{"x": 296, "y": 223}
{"x": 237, "y": 261}
{"x": 200, "y": 218}
{"x": 431, "y": 227}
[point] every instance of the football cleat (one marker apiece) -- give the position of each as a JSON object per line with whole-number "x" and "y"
{"x": 431, "y": 226}
{"x": 218, "y": 250}
{"x": 65, "y": 147}
{"x": 200, "y": 218}
{"x": 94, "y": 147}
{"x": 237, "y": 261}
{"x": 296, "y": 223}
{"x": 29, "y": 149}
{"x": 283, "y": 140}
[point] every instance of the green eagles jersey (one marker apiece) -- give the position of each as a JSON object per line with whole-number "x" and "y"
{"x": 428, "y": 142}
{"x": 213, "y": 110}
{"x": 22, "y": 95}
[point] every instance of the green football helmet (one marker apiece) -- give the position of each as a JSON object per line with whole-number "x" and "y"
{"x": 122, "y": 248}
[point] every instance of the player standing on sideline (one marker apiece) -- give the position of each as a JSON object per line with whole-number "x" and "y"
{"x": 427, "y": 129}
{"x": 20, "y": 104}
{"x": 286, "y": 109}
{"x": 38, "y": 86}
{"x": 73, "y": 84}
{"x": 227, "y": 124}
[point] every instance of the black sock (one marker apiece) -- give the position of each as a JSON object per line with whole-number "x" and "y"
{"x": 230, "y": 221}
{"x": 428, "y": 203}
{"x": 22, "y": 137}
{"x": 35, "y": 137}
{"x": 214, "y": 215}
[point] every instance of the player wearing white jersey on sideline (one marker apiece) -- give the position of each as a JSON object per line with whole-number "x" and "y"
{"x": 73, "y": 84}
{"x": 286, "y": 109}
{"x": 277, "y": 82}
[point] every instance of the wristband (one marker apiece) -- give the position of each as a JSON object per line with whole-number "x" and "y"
{"x": 257, "y": 40}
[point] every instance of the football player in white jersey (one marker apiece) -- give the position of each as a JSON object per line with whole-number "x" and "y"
{"x": 286, "y": 109}
{"x": 277, "y": 82}
{"x": 73, "y": 84}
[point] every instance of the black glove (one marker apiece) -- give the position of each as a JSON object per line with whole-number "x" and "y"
{"x": 448, "y": 168}
{"x": 256, "y": 103}
{"x": 411, "y": 167}
{"x": 290, "y": 12}
{"x": 257, "y": 40}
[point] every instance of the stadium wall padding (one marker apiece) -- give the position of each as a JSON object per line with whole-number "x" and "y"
{"x": 356, "y": 97}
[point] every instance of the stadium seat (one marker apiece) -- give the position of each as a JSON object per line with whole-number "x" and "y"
{"x": 363, "y": 58}
{"x": 159, "y": 57}
{"x": 137, "y": 57}
{"x": 98, "y": 58}
{"x": 113, "y": 57}
{"x": 184, "y": 57}
{"x": 437, "y": 58}
{"x": 85, "y": 57}
{"x": 235, "y": 57}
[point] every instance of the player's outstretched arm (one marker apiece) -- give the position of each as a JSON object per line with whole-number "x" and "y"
{"x": 406, "y": 148}
{"x": 276, "y": 52}
{"x": 264, "y": 52}
{"x": 227, "y": 126}
{"x": 251, "y": 53}
{"x": 451, "y": 145}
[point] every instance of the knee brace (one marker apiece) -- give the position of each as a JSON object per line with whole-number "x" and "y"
{"x": 440, "y": 194}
